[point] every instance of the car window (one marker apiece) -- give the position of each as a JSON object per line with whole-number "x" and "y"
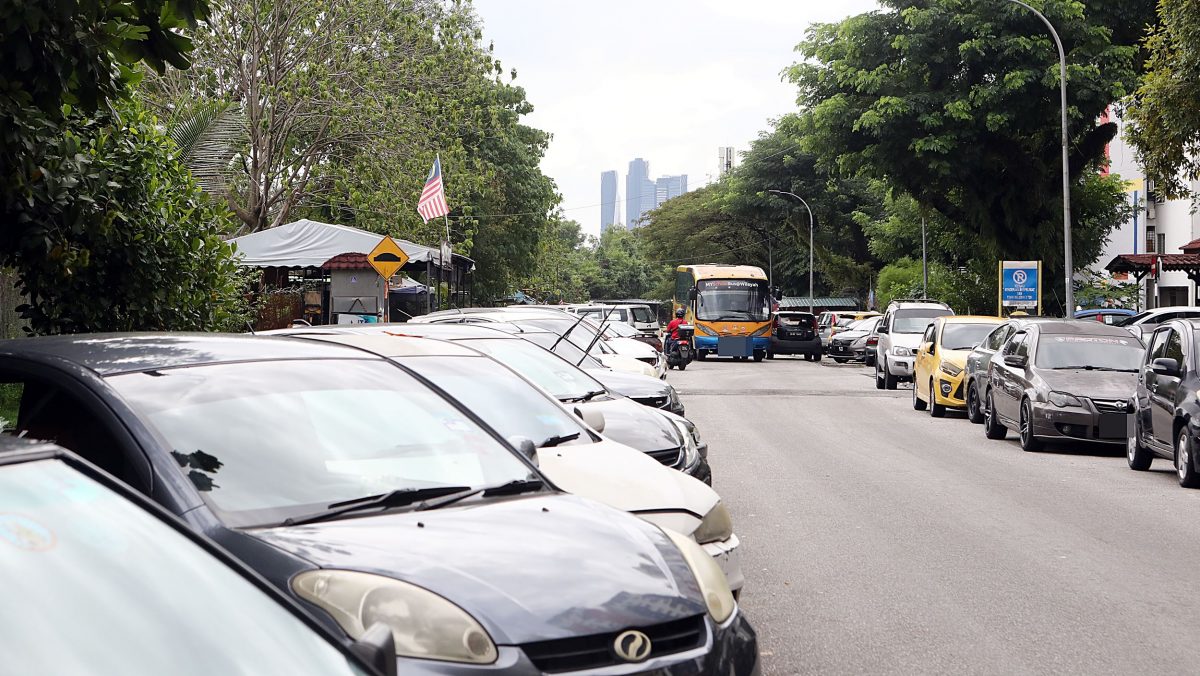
{"x": 1174, "y": 348}
{"x": 997, "y": 337}
{"x": 10, "y": 402}
{"x": 262, "y": 441}
{"x": 642, "y": 315}
{"x": 929, "y": 331}
{"x": 107, "y": 588}
{"x": 1014, "y": 342}
{"x": 1158, "y": 345}
{"x": 1023, "y": 346}
{"x": 547, "y": 370}
{"x": 914, "y": 320}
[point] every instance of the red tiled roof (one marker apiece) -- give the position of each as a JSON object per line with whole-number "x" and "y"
{"x": 1192, "y": 247}
{"x": 1185, "y": 262}
{"x": 347, "y": 261}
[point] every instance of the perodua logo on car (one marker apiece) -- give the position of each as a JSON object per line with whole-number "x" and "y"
{"x": 632, "y": 646}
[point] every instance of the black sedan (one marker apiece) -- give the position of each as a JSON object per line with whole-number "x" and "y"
{"x": 359, "y": 489}
{"x": 1168, "y": 411}
{"x": 1064, "y": 379}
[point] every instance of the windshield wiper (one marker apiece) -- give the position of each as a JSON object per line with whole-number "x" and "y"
{"x": 559, "y": 439}
{"x": 1089, "y": 367}
{"x": 587, "y": 397}
{"x": 397, "y": 498}
{"x": 511, "y": 488}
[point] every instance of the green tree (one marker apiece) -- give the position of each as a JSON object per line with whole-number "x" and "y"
{"x": 956, "y": 103}
{"x": 1164, "y": 113}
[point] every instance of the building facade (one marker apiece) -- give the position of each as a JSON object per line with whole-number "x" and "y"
{"x": 608, "y": 200}
{"x": 726, "y": 160}
{"x": 669, "y": 187}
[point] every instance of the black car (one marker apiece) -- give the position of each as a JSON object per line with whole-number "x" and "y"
{"x": 979, "y": 363}
{"x": 1168, "y": 411}
{"x": 795, "y": 333}
{"x": 104, "y": 581}
{"x": 366, "y": 493}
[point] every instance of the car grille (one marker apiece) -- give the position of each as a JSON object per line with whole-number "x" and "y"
{"x": 1113, "y": 406}
{"x": 656, "y": 402}
{"x": 669, "y": 457}
{"x": 592, "y": 652}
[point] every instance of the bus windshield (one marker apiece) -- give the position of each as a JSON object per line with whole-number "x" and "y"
{"x": 732, "y": 300}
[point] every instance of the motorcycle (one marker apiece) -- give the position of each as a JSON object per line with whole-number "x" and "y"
{"x": 679, "y": 350}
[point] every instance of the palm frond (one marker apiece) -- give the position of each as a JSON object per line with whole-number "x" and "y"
{"x": 209, "y": 138}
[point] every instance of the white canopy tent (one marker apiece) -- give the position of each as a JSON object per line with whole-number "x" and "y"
{"x": 308, "y": 244}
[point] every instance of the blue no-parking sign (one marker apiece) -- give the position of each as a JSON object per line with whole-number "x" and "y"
{"x": 1020, "y": 284}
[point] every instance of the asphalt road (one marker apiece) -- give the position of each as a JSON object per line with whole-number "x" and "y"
{"x": 879, "y": 540}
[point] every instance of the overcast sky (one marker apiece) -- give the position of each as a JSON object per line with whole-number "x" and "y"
{"x": 666, "y": 80}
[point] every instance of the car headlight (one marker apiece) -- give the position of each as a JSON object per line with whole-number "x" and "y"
{"x": 674, "y": 397}
{"x": 705, "y": 330}
{"x": 716, "y": 526}
{"x": 691, "y": 444}
{"x": 951, "y": 370}
{"x": 897, "y": 351}
{"x": 762, "y": 331}
{"x": 423, "y": 624}
{"x": 1062, "y": 399}
{"x": 709, "y": 576}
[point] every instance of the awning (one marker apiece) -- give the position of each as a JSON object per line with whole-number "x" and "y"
{"x": 801, "y": 302}
{"x": 309, "y": 244}
{"x": 1139, "y": 264}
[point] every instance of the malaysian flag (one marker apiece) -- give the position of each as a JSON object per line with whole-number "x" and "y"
{"x": 433, "y": 198}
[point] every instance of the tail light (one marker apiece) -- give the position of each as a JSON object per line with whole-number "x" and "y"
{"x": 873, "y": 341}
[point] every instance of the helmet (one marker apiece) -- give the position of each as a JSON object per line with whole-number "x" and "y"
{"x": 680, "y": 313}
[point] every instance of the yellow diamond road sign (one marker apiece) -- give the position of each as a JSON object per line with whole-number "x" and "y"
{"x": 387, "y": 257}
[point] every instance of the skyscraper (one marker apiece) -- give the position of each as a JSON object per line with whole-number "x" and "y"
{"x": 726, "y": 160}
{"x": 608, "y": 199}
{"x": 668, "y": 187}
{"x": 640, "y": 192}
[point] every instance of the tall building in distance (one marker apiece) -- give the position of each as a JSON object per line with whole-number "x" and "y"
{"x": 640, "y": 192}
{"x": 726, "y": 160}
{"x": 608, "y": 199}
{"x": 668, "y": 187}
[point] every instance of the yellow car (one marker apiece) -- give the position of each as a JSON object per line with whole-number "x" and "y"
{"x": 941, "y": 359}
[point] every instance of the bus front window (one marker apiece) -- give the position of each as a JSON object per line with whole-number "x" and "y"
{"x": 732, "y": 300}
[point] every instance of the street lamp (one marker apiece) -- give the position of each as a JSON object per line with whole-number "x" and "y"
{"x": 1066, "y": 170}
{"x": 810, "y": 243}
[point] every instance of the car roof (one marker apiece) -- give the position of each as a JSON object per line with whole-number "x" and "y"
{"x": 1081, "y": 327}
{"x": 970, "y": 319}
{"x": 112, "y": 353}
{"x": 437, "y": 331}
{"x": 794, "y": 312}
{"x": 394, "y": 345}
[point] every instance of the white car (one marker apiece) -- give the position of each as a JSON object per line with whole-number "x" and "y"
{"x": 1143, "y": 323}
{"x": 900, "y": 333}
{"x": 640, "y": 317}
{"x": 569, "y": 448}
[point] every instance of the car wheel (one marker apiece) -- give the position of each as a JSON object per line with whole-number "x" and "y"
{"x": 1185, "y": 464}
{"x": 992, "y": 427}
{"x": 935, "y": 409}
{"x": 869, "y": 361}
{"x": 918, "y": 402}
{"x": 1139, "y": 456}
{"x": 758, "y": 355}
{"x": 1028, "y": 441}
{"x": 889, "y": 380}
{"x": 878, "y": 376}
{"x": 817, "y": 358}
{"x": 974, "y": 413}
{"x": 770, "y": 355}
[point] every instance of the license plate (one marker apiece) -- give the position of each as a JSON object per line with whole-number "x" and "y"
{"x": 1116, "y": 426}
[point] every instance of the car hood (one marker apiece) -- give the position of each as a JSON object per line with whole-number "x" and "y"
{"x": 1091, "y": 384}
{"x": 632, "y": 347}
{"x": 956, "y": 357}
{"x": 632, "y": 384}
{"x": 627, "y": 364}
{"x": 528, "y": 569}
{"x": 627, "y": 479}
{"x": 848, "y": 336}
{"x": 640, "y": 427}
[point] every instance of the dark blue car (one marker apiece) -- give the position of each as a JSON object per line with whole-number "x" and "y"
{"x": 366, "y": 493}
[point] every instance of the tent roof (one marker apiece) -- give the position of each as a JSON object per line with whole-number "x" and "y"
{"x": 309, "y": 244}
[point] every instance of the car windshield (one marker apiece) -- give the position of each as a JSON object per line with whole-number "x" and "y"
{"x": 107, "y": 588}
{"x": 551, "y": 373}
{"x": 582, "y": 333}
{"x": 916, "y": 320}
{"x": 642, "y": 315}
{"x": 964, "y": 336}
{"x": 1088, "y": 352}
{"x": 263, "y": 441}
{"x": 563, "y": 348}
{"x": 1133, "y": 319}
{"x": 620, "y": 330}
{"x": 501, "y": 398}
{"x": 732, "y": 300}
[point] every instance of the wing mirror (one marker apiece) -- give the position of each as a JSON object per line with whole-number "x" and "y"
{"x": 591, "y": 417}
{"x": 377, "y": 648}
{"x": 525, "y": 447}
{"x": 1017, "y": 361}
{"x": 882, "y": 329}
{"x": 692, "y": 294}
{"x": 1165, "y": 367}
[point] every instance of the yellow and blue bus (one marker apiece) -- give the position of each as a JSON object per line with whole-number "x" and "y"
{"x": 730, "y": 306}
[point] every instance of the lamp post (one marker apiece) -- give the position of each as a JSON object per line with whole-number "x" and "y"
{"x": 810, "y": 242}
{"x": 1068, "y": 264}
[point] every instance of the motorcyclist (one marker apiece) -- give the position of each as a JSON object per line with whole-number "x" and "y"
{"x": 672, "y": 331}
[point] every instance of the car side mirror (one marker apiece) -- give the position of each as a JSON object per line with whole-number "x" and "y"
{"x": 691, "y": 294}
{"x": 591, "y": 417}
{"x": 1017, "y": 361}
{"x": 881, "y": 329}
{"x": 1164, "y": 366}
{"x": 377, "y": 647}
{"x": 525, "y": 447}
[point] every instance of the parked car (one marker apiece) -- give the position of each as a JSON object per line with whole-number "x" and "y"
{"x": 1108, "y": 315}
{"x": 1065, "y": 379}
{"x": 640, "y": 317}
{"x": 795, "y": 333}
{"x": 979, "y": 361}
{"x": 1167, "y": 408}
{"x": 938, "y": 373}
{"x": 1143, "y": 323}
{"x": 671, "y": 440}
{"x": 832, "y": 322}
{"x": 576, "y": 456}
{"x": 851, "y": 344}
{"x": 103, "y": 581}
{"x": 361, "y": 490}
{"x": 900, "y": 333}
{"x": 623, "y": 330}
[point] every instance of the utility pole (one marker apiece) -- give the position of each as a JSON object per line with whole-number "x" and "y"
{"x": 924, "y": 264}
{"x": 811, "y": 223}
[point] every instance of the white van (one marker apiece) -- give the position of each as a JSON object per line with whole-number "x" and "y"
{"x": 640, "y": 317}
